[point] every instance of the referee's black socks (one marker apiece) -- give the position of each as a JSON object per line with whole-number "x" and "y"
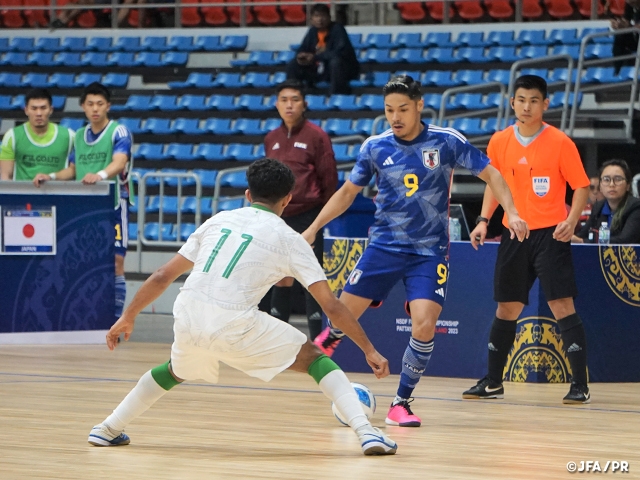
{"x": 503, "y": 333}
{"x": 575, "y": 346}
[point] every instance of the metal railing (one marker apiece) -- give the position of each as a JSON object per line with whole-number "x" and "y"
{"x": 215, "y": 202}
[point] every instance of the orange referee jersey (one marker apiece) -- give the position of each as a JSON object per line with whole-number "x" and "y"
{"x": 537, "y": 174}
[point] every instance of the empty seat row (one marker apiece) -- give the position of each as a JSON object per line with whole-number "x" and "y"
{"x": 211, "y": 43}
{"x": 230, "y": 80}
{"x": 194, "y": 126}
{"x": 187, "y": 205}
{"x": 264, "y": 57}
{"x": 95, "y": 59}
{"x": 62, "y": 80}
{"x": 7, "y": 102}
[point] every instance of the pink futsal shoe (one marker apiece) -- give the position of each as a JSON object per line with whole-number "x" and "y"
{"x": 401, "y": 415}
{"x": 327, "y": 342}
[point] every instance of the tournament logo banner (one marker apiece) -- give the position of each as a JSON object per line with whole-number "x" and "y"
{"x": 340, "y": 258}
{"x": 620, "y": 266}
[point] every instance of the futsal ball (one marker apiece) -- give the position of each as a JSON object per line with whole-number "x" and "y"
{"x": 367, "y": 400}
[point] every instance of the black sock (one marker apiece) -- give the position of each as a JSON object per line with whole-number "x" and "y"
{"x": 314, "y": 316}
{"x": 503, "y": 333}
{"x": 575, "y": 346}
{"x": 281, "y": 303}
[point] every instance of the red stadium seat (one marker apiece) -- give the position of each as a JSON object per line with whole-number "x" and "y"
{"x": 214, "y": 16}
{"x": 436, "y": 10}
{"x": 411, "y": 12}
{"x": 293, "y": 14}
{"x": 267, "y": 14}
{"x": 36, "y": 18}
{"x": 234, "y": 13}
{"x": 470, "y": 10}
{"x": 531, "y": 9}
{"x": 584, "y": 7}
{"x": 11, "y": 18}
{"x": 559, "y": 8}
{"x": 190, "y": 15}
{"x": 616, "y": 7}
{"x": 499, "y": 9}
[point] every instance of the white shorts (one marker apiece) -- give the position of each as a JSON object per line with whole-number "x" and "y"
{"x": 255, "y": 343}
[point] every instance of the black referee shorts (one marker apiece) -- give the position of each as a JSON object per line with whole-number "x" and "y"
{"x": 519, "y": 263}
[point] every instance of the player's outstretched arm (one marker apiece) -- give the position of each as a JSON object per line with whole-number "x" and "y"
{"x": 500, "y": 190}
{"x": 117, "y": 165}
{"x": 68, "y": 173}
{"x": 336, "y": 206}
{"x": 342, "y": 318}
{"x": 151, "y": 289}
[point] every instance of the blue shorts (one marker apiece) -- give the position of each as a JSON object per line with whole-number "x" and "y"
{"x": 122, "y": 227}
{"x": 424, "y": 277}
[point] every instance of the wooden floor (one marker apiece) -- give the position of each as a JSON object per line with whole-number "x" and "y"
{"x": 50, "y": 397}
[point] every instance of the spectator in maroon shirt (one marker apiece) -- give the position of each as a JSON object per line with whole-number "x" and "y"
{"x": 306, "y": 149}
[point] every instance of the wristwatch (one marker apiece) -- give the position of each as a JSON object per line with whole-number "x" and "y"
{"x": 482, "y": 219}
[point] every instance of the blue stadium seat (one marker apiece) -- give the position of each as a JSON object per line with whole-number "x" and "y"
{"x": 208, "y": 43}
{"x": 233, "y": 43}
{"x": 256, "y": 102}
{"x": 84, "y": 79}
{"x": 5, "y": 102}
{"x": 472, "y": 39}
{"x": 58, "y": 102}
{"x": 10, "y": 80}
{"x": 557, "y": 99}
{"x": 48, "y": 44}
{"x": 257, "y": 57}
{"x": 470, "y": 77}
{"x": 17, "y": 102}
{"x": 188, "y": 126}
{"x": 439, "y": 39}
{"x": 122, "y": 59}
{"x": 68, "y": 59}
{"x": 365, "y": 80}
{"x": 439, "y": 78}
{"x": 503, "y": 54}
{"x": 241, "y": 152}
{"x": 18, "y": 59}
{"x": 380, "y": 79}
{"x": 183, "y": 43}
{"x": 343, "y": 102}
{"x": 42, "y": 59}
{"x": 180, "y": 152}
{"x": 379, "y": 41}
{"x": 127, "y": 44}
{"x": 150, "y": 151}
{"x": 415, "y": 74}
{"x": 207, "y": 177}
{"x": 442, "y": 55}
{"x": 409, "y": 40}
{"x": 73, "y": 123}
{"x": 133, "y": 124}
{"x": 36, "y": 80}
{"x": 502, "y": 38}
{"x": 195, "y": 80}
{"x": 159, "y": 126}
{"x": 493, "y": 100}
{"x": 167, "y": 103}
{"x": 227, "y": 80}
{"x": 540, "y": 72}
{"x": 141, "y": 172}
{"x": 193, "y": 102}
{"x": 134, "y": 208}
{"x": 63, "y": 80}
{"x": 533, "y": 51}
{"x": 341, "y": 152}
{"x": 491, "y": 125}
{"x": 235, "y": 179}
{"x": 152, "y": 231}
{"x": 4, "y": 44}
{"x": 186, "y": 229}
{"x": 467, "y": 101}
{"x": 231, "y": 203}
{"x": 566, "y": 36}
{"x": 626, "y": 73}
{"x": 205, "y": 206}
{"x": 372, "y": 102}
{"x": 133, "y": 227}
{"x": 149, "y": 59}
{"x": 338, "y": 126}
{"x": 73, "y": 44}
{"x": 284, "y": 57}
{"x": 382, "y": 55}
{"x": 469, "y": 126}
{"x": 250, "y": 126}
{"x": 363, "y": 126}
{"x": 605, "y": 39}
{"x": 22, "y": 44}
{"x": 560, "y": 75}
{"x": 155, "y": 44}
{"x": 169, "y": 205}
{"x": 272, "y": 124}
{"x": 258, "y": 80}
{"x": 175, "y": 59}
{"x": 411, "y": 55}
{"x": 501, "y": 76}
{"x": 115, "y": 80}
{"x": 356, "y": 40}
{"x": 99, "y": 44}
{"x": 431, "y": 100}
{"x": 317, "y": 102}
{"x": 211, "y": 152}
{"x": 220, "y": 126}
{"x": 533, "y": 37}
{"x": 134, "y": 102}
{"x": 94, "y": 59}
{"x": 598, "y": 50}
{"x": 572, "y": 50}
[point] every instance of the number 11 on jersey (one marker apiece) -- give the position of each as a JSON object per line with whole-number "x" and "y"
{"x": 236, "y": 257}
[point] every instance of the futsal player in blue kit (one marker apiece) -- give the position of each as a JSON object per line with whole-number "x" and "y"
{"x": 409, "y": 240}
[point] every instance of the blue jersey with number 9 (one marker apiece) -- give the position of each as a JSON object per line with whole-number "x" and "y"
{"x": 414, "y": 181}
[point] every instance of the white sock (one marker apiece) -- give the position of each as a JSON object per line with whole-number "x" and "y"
{"x": 144, "y": 394}
{"x": 336, "y": 386}
{"x": 398, "y": 400}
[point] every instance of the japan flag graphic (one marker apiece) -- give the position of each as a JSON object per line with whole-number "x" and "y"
{"x": 28, "y": 231}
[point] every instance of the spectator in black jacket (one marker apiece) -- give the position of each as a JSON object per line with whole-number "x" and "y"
{"x": 619, "y": 209}
{"x": 326, "y": 54}
{"x": 626, "y": 43}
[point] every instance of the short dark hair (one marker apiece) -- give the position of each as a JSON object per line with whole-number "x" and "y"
{"x": 615, "y": 162}
{"x": 292, "y": 84}
{"x": 95, "y": 88}
{"x": 531, "y": 82}
{"x": 321, "y": 8}
{"x": 38, "y": 93}
{"x": 269, "y": 180}
{"x": 404, "y": 84}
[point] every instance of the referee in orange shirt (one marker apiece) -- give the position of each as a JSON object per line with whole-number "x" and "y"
{"x": 536, "y": 160}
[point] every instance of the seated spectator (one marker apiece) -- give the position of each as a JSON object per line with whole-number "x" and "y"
{"x": 619, "y": 209}
{"x": 595, "y": 195}
{"x": 326, "y": 54}
{"x": 626, "y": 43}
{"x": 67, "y": 16}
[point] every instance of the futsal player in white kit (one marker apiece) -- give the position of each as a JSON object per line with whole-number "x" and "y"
{"x": 235, "y": 257}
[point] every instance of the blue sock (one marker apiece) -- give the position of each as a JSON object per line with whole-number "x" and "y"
{"x": 415, "y": 361}
{"x": 121, "y": 294}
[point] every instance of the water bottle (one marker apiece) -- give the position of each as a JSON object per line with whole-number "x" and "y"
{"x": 455, "y": 230}
{"x": 603, "y": 234}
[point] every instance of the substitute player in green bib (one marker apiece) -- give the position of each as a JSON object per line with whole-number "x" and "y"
{"x": 37, "y": 145}
{"x": 102, "y": 151}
